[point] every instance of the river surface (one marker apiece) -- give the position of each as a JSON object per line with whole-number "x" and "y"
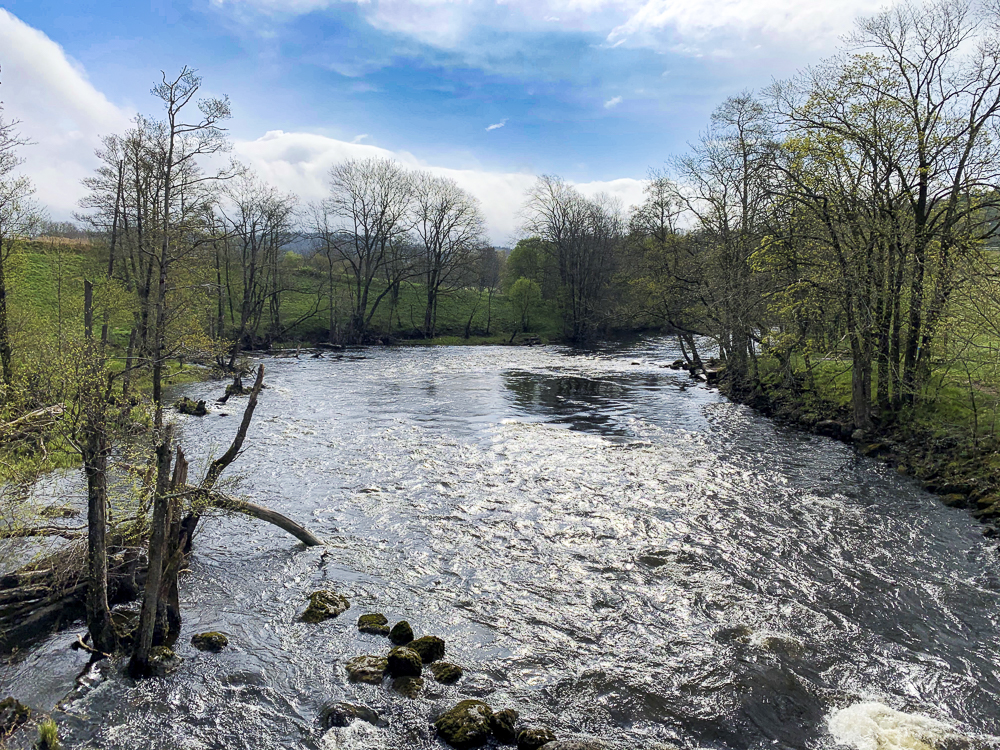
{"x": 606, "y": 546}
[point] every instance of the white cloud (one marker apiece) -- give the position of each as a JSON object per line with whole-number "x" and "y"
{"x": 65, "y": 115}
{"x": 300, "y": 163}
{"x": 683, "y": 26}
{"x": 497, "y": 125}
{"x": 613, "y": 102}
{"x": 59, "y": 109}
{"x": 360, "y": 138}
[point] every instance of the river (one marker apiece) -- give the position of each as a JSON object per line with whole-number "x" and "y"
{"x": 606, "y": 546}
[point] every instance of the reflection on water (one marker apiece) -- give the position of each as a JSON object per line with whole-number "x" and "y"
{"x": 604, "y": 546}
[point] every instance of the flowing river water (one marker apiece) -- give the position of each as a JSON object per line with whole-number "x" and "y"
{"x": 606, "y": 546}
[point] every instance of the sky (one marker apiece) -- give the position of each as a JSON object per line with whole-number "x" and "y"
{"x": 491, "y": 93}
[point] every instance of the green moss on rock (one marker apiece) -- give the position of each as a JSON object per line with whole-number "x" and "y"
{"x": 401, "y": 633}
{"x": 324, "y": 605}
{"x": 13, "y": 714}
{"x": 446, "y": 673}
{"x": 467, "y": 725}
{"x": 430, "y": 648}
{"x": 533, "y": 738}
{"x": 211, "y": 641}
{"x": 370, "y": 669}
{"x": 374, "y": 623}
{"x": 404, "y": 662}
{"x": 502, "y": 723}
{"x": 408, "y": 687}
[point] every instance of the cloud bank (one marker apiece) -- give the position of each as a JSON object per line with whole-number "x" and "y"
{"x": 62, "y": 112}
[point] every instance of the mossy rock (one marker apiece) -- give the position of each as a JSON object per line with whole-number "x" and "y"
{"x": 375, "y": 623}
{"x": 211, "y": 641}
{"x": 430, "y": 648}
{"x": 370, "y": 669}
{"x": 404, "y": 662}
{"x": 467, "y": 725}
{"x": 533, "y": 738}
{"x": 446, "y": 673}
{"x": 13, "y": 714}
{"x": 343, "y": 714}
{"x": 502, "y": 723}
{"x": 401, "y": 633}
{"x": 954, "y": 500}
{"x": 408, "y": 687}
{"x": 191, "y": 408}
{"x": 324, "y": 605}
{"x": 162, "y": 661}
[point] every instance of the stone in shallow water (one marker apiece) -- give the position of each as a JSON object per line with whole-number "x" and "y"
{"x": 13, "y": 714}
{"x": 401, "y": 633}
{"x": 533, "y": 738}
{"x": 446, "y": 673}
{"x": 502, "y": 723}
{"x": 585, "y": 744}
{"x": 370, "y": 669}
{"x": 342, "y": 714}
{"x": 213, "y": 642}
{"x": 409, "y": 687}
{"x": 466, "y": 725}
{"x": 162, "y": 661}
{"x": 323, "y": 605}
{"x": 404, "y": 662}
{"x": 375, "y": 623}
{"x": 430, "y": 648}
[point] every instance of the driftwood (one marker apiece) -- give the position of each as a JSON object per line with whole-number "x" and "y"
{"x": 225, "y": 502}
{"x": 31, "y": 423}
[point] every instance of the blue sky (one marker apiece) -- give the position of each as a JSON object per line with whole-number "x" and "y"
{"x": 596, "y": 91}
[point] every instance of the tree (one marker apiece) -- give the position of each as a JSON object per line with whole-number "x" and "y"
{"x": 450, "y": 227}
{"x": 582, "y": 237}
{"x": 524, "y": 296}
{"x": 364, "y": 222}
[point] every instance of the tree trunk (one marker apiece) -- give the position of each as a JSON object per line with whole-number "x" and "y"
{"x": 139, "y": 664}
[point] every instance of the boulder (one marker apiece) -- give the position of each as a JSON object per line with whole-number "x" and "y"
{"x": 533, "y": 738}
{"x": 502, "y": 723}
{"x": 370, "y": 669}
{"x": 584, "y": 744}
{"x": 192, "y": 408}
{"x": 404, "y": 662}
{"x": 466, "y": 725}
{"x": 162, "y": 661}
{"x": 401, "y": 633}
{"x": 408, "y": 687}
{"x": 446, "y": 673}
{"x": 376, "y": 624}
{"x": 430, "y": 648}
{"x": 343, "y": 714}
{"x": 212, "y": 641}
{"x": 323, "y": 605}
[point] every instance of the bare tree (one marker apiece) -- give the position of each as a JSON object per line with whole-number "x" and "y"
{"x": 450, "y": 227}
{"x": 365, "y": 223}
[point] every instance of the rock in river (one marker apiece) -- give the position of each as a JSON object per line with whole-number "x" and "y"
{"x": 323, "y": 605}
{"x": 213, "y": 642}
{"x": 13, "y": 714}
{"x": 465, "y": 726}
{"x": 404, "y": 662}
{"x": 375, "y": 623}
{"x": 342, "y": 714}
{"x": 533, "y": 738}
{"x": 587, "y": 744}
{"x": 502, "y": 723}
{"x": 370, "y": 669}
{"x": 430, "y": 648}
{"x": 409, "y": 687}
{"x": 446, "y": 673}
{"x": 401, "y": 633}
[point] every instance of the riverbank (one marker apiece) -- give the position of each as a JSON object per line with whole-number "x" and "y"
{"x": 962, "y": 473}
